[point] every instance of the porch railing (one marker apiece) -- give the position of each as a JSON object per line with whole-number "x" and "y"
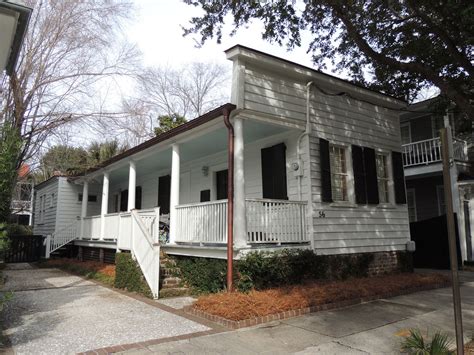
{"x": 62, "y": 237}
{"x": 92, "y": 227}
{"x": 276, "y": 221}
{"x": 268, "y": 221}
{"x": 204, "y": 222}
{"x": 429, "y": 151}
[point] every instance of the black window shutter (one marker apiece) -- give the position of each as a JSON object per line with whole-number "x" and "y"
{"x": 279, "y": 172}
{"x": 326, "y": 193}
{"x": 267, "y": 176}
{"x": 138, "y": 197}
{"x": 359, "y": 175}
{"x": 222, "y": 184}
{"x": 398, "y": 178}
{"x": 371, "y": 176}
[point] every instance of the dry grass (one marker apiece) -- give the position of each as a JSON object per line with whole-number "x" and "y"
{"x": 239, "y": 306}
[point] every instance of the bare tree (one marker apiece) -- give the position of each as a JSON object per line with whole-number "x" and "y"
{"x": 203, "y": 86}
{"x": 70, "y": 48}
{"x": 187, "y": 91}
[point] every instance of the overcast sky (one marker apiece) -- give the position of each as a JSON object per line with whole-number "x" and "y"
{"x": 158, "y": 33}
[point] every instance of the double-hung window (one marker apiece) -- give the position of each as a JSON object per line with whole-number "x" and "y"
{"x": 383, "y": 178}
{"x": 339, "y": 175}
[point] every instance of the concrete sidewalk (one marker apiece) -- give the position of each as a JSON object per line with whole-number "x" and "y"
{"x": 371, "y": 328}
{"x": 53, "y": 312}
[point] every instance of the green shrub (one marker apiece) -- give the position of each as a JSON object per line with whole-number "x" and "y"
{"x": 341, "y": 267}
{"x": 203, "y": 274}
{"x": 128, "y": 275}
{"x": 261, "y": 270}
{"x": 18, "y": 229}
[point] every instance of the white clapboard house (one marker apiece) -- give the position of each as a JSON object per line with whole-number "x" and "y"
{"x": 317, "y": 164}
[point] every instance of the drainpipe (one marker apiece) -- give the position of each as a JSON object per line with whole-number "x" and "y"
{"x": 230, "y": 198}
{"x": 306, "y": 132}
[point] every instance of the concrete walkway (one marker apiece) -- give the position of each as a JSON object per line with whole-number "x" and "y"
{"x": 53, "y": 312}
{"x": 371, "y": 328}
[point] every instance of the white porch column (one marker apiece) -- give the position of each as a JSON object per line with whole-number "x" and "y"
{"x": 85, "y": 199}
{"x": 132, "y": 181}
{"x": 174, "y": 198}
{"x": 105, "y": 204}
{"x": 240, "y": 220}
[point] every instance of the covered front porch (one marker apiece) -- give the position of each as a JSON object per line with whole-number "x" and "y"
{"x": 181, "y": 187}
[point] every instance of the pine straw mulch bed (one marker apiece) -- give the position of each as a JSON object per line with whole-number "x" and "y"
{"x": 469, "y": 348}
{"x": 239, "y": 306}
{"x": 91, "y": 269}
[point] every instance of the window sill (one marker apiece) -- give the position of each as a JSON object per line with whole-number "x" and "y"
{"x": 345, "y": 204}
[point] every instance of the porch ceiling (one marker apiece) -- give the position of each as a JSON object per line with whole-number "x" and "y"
{"x": 216, "y": 141}
{"x": 206, "y": 144}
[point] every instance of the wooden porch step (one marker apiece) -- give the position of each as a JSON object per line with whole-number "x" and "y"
{"x": 171, "y": 282}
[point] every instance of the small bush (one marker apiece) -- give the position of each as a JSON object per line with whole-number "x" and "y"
{"x": 203, "y": 274}
{"x": 128, "y": 275}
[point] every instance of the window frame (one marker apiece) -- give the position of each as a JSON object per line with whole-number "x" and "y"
{"x": 387, "y": 178}
{"x": 42, "y": 208}
{"x": 80, "y": 197}
{"x": 402, "y": 125}
{"x": 349, "y": 175}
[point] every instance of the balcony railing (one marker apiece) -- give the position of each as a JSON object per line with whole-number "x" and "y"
{"x": 429, "y": 151}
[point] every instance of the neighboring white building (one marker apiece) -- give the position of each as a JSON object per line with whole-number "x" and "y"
{"x": 422, "y": 160}
{"x": 317, "y": 160}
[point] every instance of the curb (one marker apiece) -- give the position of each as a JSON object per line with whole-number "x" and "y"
{"x": 232, "y": 324}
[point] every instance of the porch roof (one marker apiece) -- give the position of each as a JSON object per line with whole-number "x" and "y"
{"x": 208, "y": 142}
{"x": 209, "y": 116}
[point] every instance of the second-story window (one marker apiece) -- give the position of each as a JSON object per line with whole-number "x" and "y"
{"x": 382, "y": 178}
{"x": 338, "y": 173}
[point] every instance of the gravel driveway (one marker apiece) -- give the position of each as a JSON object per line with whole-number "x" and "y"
{"x": 53, "y": 312}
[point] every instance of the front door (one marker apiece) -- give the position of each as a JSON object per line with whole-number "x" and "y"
{"x": 164, "y": 193}
{"x": 274, "y": 172}
{"x": 124, "y": 199}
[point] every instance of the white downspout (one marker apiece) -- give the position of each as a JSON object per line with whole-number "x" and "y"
{"x": 306, "y": 132}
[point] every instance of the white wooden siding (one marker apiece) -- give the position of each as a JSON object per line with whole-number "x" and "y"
{"x": 341, "y": 120}
{"x": 69, "y": 206}
{"x": 48, "y": 224}
{"x": 192, "y": 180}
